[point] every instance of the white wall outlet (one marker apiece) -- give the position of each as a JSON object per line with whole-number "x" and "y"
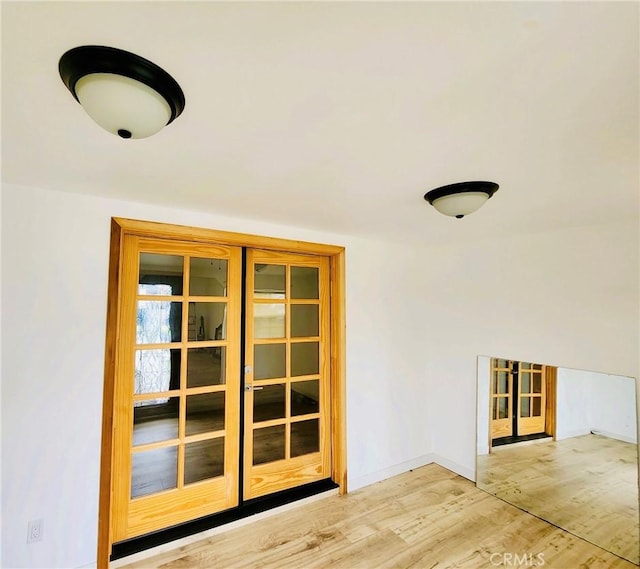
{"x": 34, "y": 531}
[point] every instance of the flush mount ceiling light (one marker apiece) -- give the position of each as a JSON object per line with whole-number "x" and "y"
{"x": 124, "y": 93}
{"x": 463, "y": 198}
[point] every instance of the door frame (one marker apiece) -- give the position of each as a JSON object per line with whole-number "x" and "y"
{"x": 120, "y": 227}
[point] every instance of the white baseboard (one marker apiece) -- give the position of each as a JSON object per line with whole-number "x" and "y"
{"x": 616, "y": 436}
{"x": 468, "y": 473}
{"x": 378, "y": 475}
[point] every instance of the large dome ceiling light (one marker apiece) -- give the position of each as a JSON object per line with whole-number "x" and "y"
{"x": 124, "y": 93}
{"x": 463, "y": 198}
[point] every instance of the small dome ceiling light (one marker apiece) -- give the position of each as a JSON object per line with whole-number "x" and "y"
{"x": 124, "y": 93}
{"x": 463, "y": 198}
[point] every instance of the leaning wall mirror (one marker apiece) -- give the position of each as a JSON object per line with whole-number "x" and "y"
{"x": 562, "y": 444}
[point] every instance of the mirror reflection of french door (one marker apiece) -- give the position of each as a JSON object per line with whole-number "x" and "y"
{"x": 518, "y": 398}
{"x": 181, "y": 388}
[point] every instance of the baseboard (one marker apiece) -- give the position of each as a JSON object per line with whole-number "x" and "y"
{"x": 378, "y": 475}
{"x": 616, "y": 436}
{"x": 468, "y": 473}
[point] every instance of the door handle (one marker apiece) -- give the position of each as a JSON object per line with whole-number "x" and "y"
{"x": 250, "y": 387}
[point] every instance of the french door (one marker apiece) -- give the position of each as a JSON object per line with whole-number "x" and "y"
{"x": 176, "y": 420}
{"x": 182, "y": 391}
{"x": 518, "y": 398}
{"x": 286, "y": 372}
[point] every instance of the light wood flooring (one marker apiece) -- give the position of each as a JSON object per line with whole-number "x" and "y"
{"x": 587, "y": 485}
{"x": 427, "y": 518}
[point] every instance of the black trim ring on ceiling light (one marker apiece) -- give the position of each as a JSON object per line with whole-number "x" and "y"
{"x": 488, "y": 188}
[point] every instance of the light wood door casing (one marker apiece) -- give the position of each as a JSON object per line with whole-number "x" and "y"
{"x": 287, "y": 358}
{"x": 138, "y": 509}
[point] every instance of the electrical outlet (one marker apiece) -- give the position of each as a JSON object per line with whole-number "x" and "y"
{"x": 34, "y": 531}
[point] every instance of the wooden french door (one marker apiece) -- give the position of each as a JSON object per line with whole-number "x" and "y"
{"x": 286, "y": 374}
{"x": 501, "y": 398}
{"x": 531, "y": 398}
{"x": 177, "y": 392}
{"x": 179, "y": 381}
{"x": 518, "y": 398}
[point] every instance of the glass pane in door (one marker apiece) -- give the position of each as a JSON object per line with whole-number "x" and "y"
{"x": 525, "y": 407}
{"x": 156, "y": 371}
{"x": 502, "y": 382}
{"x": 155, "y": 422}
{"x": 154, "y": 471}
{"x": 270, "y": 281}
{"x": 207, "y": 321}
{"x": 203, "y": 460}
{"x": 206, "y": 366}
{"x": 269, "y": 361}
{"x": 269, "y": 320}
{"x": 304, "y": 320}
{"x": 305, "y": 396}
{"x": 158, "y": 322}
{"x": 305, "y": 437}
{"x": 160, "y": 274}
{"x": 208, "y": 277}
{"x": 269, "y": 402}
{"x": 305, "y": 358}
{"x": 268, "y": 444}
{"x": 304, "y": 282}
{"x": 205, "y": 412}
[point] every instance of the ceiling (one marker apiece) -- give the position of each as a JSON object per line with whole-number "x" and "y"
{"x": 339, "y": 116}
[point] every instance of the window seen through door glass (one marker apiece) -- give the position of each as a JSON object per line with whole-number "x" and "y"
{"x": 160, "y": 274}
{"x": 158, "y": 322}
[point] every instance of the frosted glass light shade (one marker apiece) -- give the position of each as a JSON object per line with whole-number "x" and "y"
{"x": 122, "y": 105}
{"x": 460, "y": 204}
{"x": 463, "y": 198}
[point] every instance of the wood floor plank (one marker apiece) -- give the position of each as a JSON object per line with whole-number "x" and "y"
{"x": 429, "y": 518}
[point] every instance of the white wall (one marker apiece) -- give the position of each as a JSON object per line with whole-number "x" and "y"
{"x": 55, "y": 250}
{"x": 568, "y": 298}
{"x": 416, "y": 321}
{"x": 590, "y": 401}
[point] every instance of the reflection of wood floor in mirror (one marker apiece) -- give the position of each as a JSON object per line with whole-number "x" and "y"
{"x": 587, "y": 485}
{"x": 427, "y": 518}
